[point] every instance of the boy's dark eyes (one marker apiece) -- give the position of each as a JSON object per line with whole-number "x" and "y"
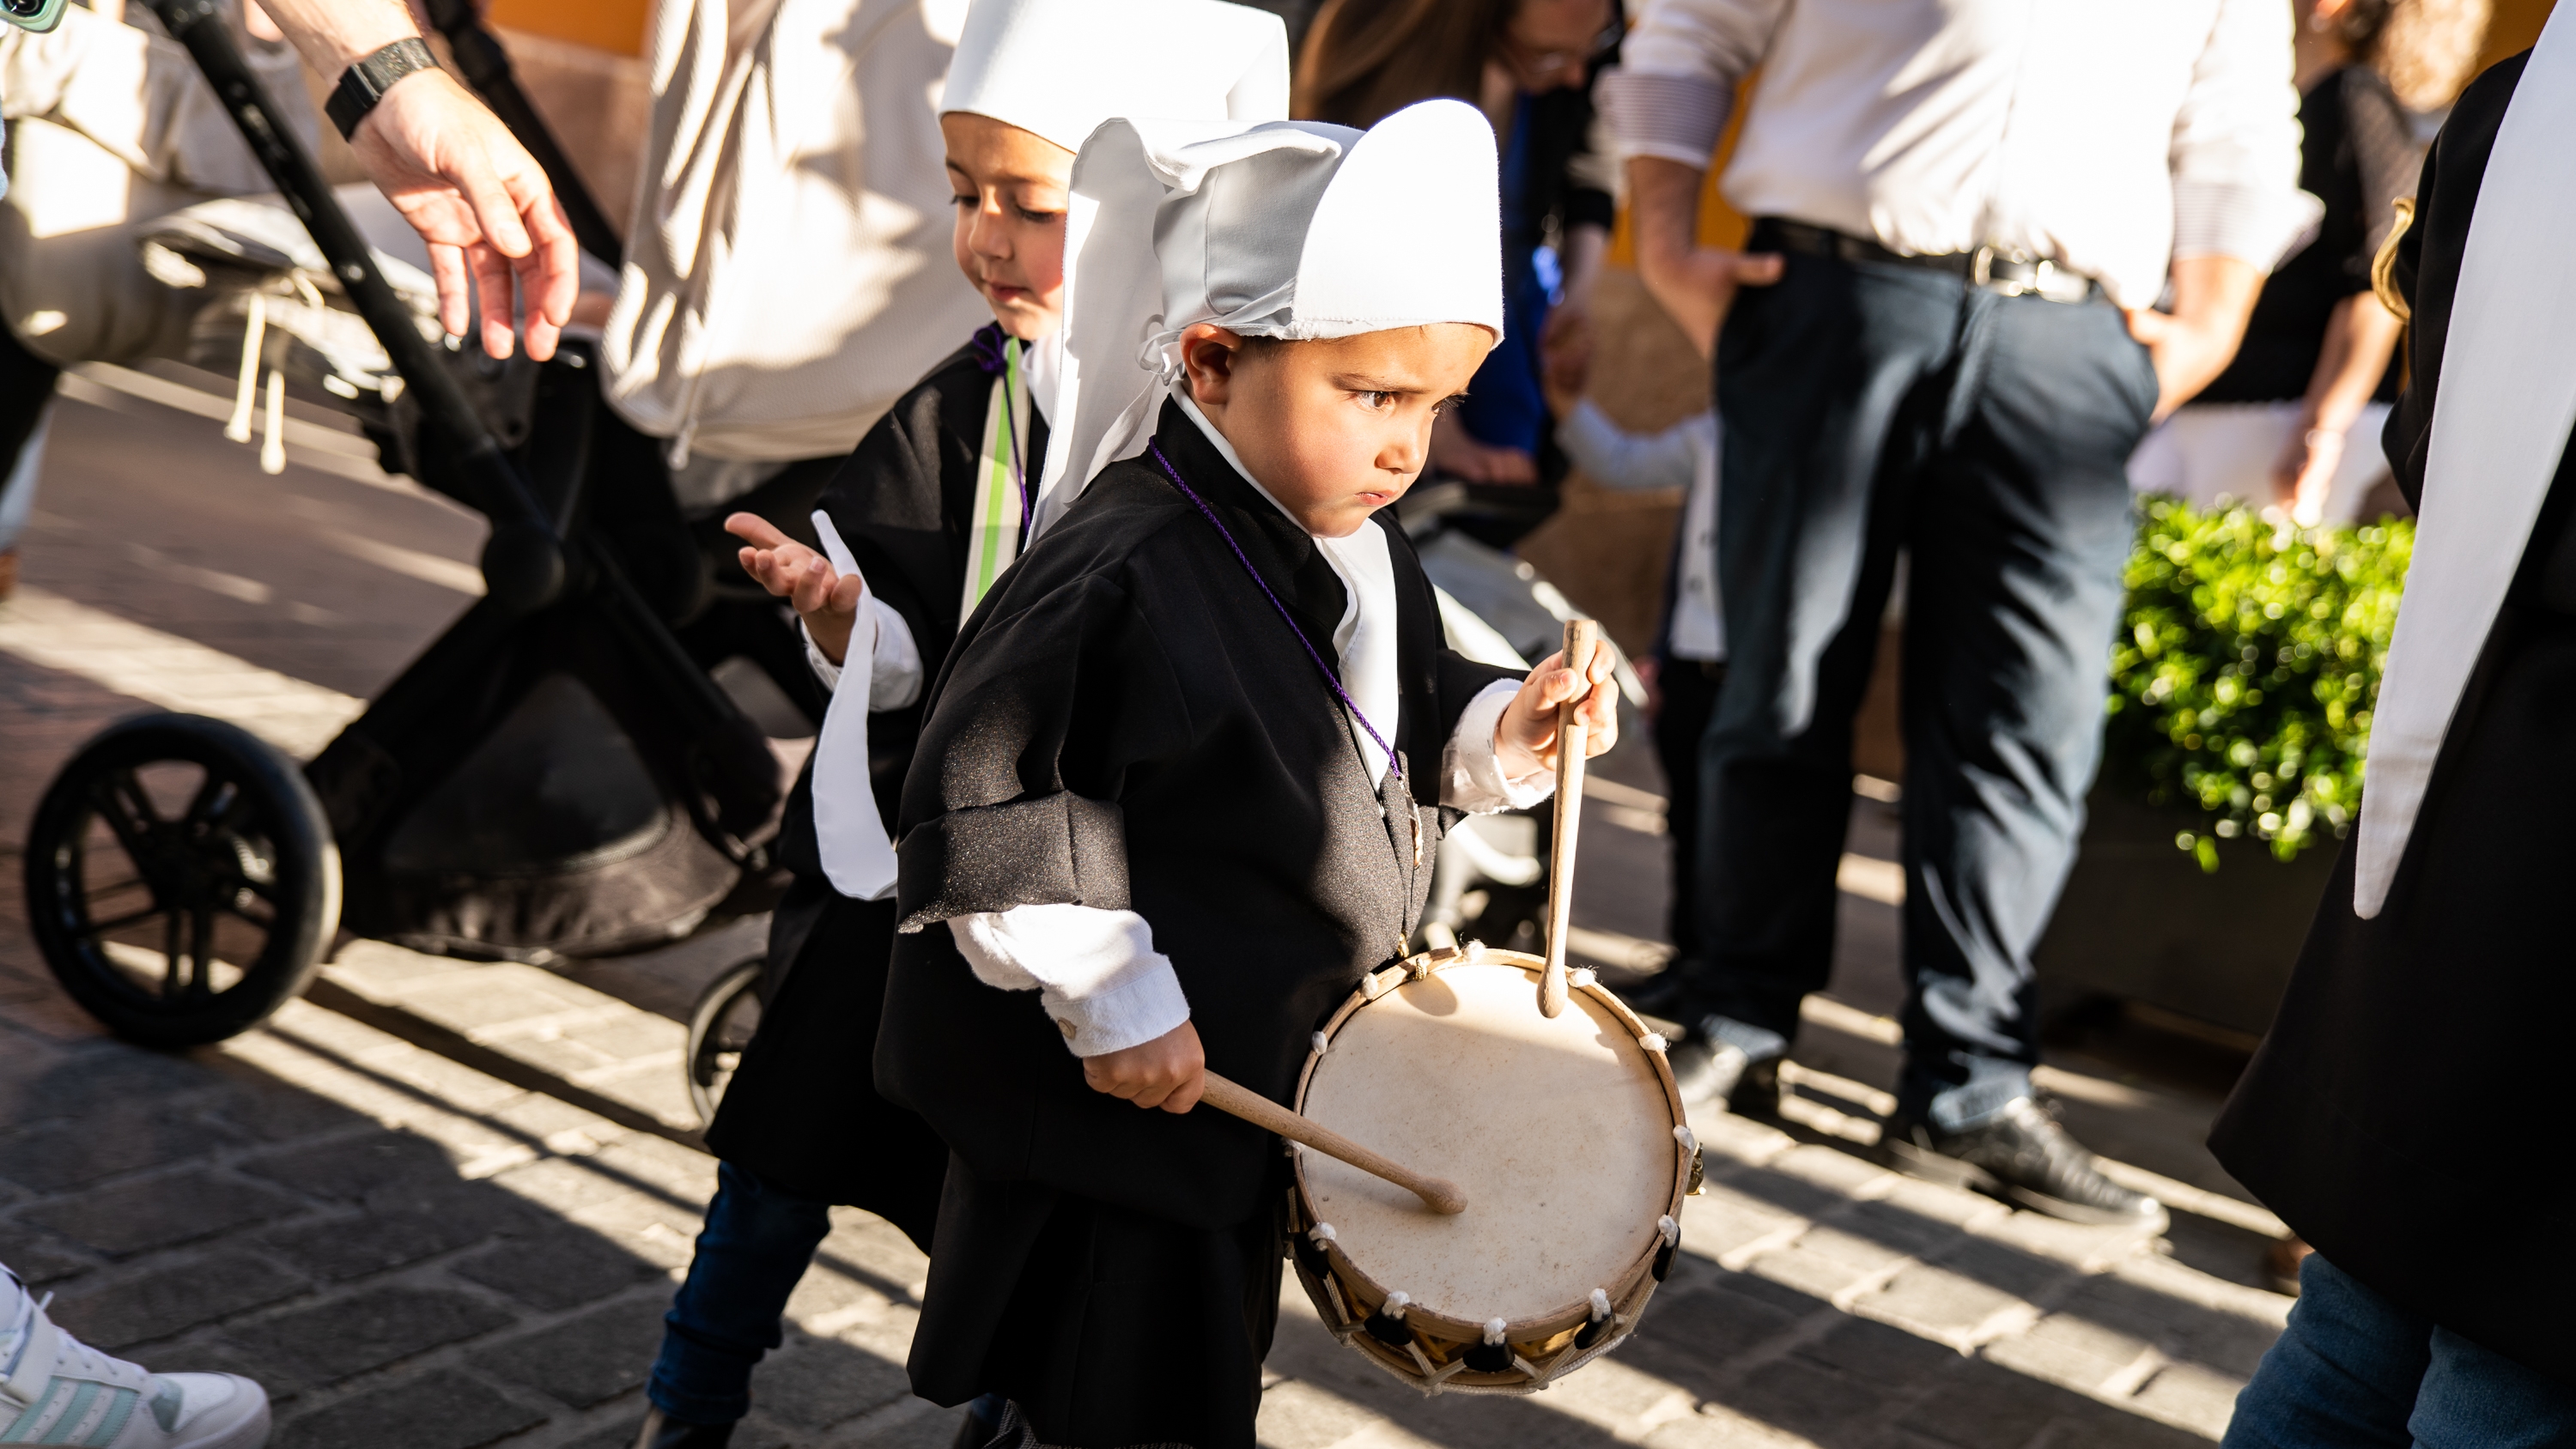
{"x": 1375, "y": 400}
{"x": 1038, "y": 216}
{"x": 963, "y": 199}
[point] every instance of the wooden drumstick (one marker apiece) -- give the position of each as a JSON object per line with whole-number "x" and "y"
{"x": 1235, "y": 1100}
{"x": 1582, "y": 636}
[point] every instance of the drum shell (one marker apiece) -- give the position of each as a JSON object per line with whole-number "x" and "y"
{"x": 1542, "y": 1342}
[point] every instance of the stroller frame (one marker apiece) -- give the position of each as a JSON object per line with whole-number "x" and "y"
{"x": 257, "y": 849}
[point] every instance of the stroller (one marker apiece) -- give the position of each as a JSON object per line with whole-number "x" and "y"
{"x": 565, "y": 771}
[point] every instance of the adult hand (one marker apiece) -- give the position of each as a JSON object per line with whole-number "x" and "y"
{"x": 1565, "y": 358}
{"x": 2304, "y": 476}
{"x": 1695, "y": 284}
{"x": 1168, "y": 1072}
{"x": 826, "y": 599}
{"x": 483, "y": 205}
{"x": 2192, "y": 344}
{"x": 1458, "y": 454}
{"x": 455, "y": 173}
{"x": 1525, "y": 737}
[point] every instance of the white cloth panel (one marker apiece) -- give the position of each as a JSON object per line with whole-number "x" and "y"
{"x": 894, "y": 665}
{"x": 2500, "y": 425}
{"x": 1058, "y": 68}
{"x": 858, "y": 854}
{"x": 2092, "y": 134}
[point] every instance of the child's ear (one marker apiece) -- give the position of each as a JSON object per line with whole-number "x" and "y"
{"x": 1210, "y": 356}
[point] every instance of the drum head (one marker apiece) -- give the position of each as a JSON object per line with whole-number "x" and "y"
{"x": 1558, "y": 1132}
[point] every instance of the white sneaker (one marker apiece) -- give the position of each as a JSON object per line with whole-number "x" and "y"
{"x": 54, "y": 1389}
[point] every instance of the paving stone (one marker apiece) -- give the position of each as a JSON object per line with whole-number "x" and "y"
{"x": 1808, "y": 1272}
{"x": 1887, "y": 1358}
{"x": 159, "y": 1212}
{"x": 374, "y": 1241}
{"x": 365, "y": 1330}
{"x": 158, "y": 1305}
{"x": 556, "y": 1270}
{"x": 1940, "y": 1303}
{"x": 1803, "y": 1398}
{"x": 356, "y": 1172}
{"x": 2006, "y": 1268}
{"x": 1981, "y": 1406}
{"x": 2191, "y": 1396}
{"x": 2068, "y": 1349}
{"x": 60, "y": 1156}
{"x": 443, "y": 1410}
{"x": 1697, "y": 1340}
{"x": 39, "y": 1258}
{"x": 818, "y": 1381}
{"x": 592, "y": 1358}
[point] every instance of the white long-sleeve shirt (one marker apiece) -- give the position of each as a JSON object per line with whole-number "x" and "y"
{"x": 1096, "y": 971}
{"x": 2108, "y": 136}
{"x": 1682, "y": 456}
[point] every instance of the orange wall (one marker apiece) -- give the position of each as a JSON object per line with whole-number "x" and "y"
{"x": 616, "y": 26}
{"x": 2515, "y": 26}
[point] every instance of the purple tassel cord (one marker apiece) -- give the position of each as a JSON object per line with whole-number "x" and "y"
{"x": 1331, "y": 680}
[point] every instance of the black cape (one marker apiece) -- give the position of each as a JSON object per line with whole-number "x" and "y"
{"x": 1127, "y": 723}
{"x": 2399, "y": 1114}
{"x": 803, "y": 1112}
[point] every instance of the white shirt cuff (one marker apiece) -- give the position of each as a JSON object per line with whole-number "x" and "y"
{"x": 894, "y": 659}
{"x": 1471, "y": 776}
{"x": 1096, "y": 972}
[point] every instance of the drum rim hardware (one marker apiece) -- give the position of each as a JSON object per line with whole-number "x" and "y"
{"x": 1384, "y": 1325}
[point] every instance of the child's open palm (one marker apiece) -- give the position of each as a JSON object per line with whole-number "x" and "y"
{"x": 826, "y": 599}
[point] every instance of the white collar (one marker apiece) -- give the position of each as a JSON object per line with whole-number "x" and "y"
{"x": 1044, "y": 359}
{"x": 1365, "y": 639}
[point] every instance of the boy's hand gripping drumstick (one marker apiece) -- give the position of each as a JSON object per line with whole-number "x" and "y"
{"x": 1581, "y": 637}
{"x": 1439, "y": 1194}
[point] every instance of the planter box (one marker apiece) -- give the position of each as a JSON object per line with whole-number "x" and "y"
{"x": 2141, "y": 921}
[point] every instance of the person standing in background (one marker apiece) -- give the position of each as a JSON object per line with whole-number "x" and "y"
{"x": 1528, "y": 65}
{"x": 2318, "y": 365}
{"x": 1944, "y": 347}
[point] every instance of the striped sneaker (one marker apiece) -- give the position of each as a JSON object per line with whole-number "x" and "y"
{"x": 54, "y": 1389}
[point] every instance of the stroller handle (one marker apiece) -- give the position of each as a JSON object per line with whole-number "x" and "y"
{"x": 523, "y": 562}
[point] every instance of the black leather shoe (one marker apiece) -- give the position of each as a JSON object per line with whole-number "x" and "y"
{"x": 662, "y": 1432}
{"x": 2022, "y": 1155}
{"x": 982, "y": 1426}
{"x": 1717, "y": 1073}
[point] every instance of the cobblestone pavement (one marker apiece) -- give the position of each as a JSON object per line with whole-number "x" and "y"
{"x": 443, "y": 1204}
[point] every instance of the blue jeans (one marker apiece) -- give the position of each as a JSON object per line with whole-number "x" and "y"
{"x": 2354, "y": 1369}
{"x": 755, "y": 1246}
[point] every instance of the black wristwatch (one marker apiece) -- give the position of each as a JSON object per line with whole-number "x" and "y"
{"x": 364, "y": 84}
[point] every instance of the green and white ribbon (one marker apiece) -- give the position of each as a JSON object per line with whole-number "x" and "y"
{"x": 993, "y": 528}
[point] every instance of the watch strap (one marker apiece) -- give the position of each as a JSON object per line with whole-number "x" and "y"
{"x": 364, "y": 84}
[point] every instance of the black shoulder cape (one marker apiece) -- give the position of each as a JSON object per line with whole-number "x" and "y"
{"x": 1127, "y": 723}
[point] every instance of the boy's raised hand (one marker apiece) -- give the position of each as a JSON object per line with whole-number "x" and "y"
{"x": 1525, "y": 737}
{"x": 826, "y": 599}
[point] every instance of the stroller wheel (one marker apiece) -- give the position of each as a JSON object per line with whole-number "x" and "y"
{"x": 720, "y": 1026}
{"x": 181, "y": 879}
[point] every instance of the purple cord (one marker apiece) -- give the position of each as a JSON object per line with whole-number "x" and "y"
{"x": 1321, "y": 667}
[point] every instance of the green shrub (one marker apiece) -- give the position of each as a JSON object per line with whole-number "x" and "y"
{"x": 2243, "y": 680}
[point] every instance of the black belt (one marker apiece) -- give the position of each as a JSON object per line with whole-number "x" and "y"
{"x": 2002, "y": 271}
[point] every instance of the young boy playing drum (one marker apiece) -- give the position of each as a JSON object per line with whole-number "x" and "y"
{"x": 936, "y": 501}
{"x": 1185, "y": 773}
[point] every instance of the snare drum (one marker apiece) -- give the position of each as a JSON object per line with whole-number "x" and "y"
{"x": 1567, "y": 1137}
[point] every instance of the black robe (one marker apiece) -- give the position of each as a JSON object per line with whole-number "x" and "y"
{"x": 2402, "y": 1112}
{"x": 1127, "y": 723}
{"x": 803, "y": 1112}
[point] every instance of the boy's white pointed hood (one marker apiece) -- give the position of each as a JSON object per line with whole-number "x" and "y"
{"x": 1058, "y": 68}
{"x": 1288, "y": 229}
